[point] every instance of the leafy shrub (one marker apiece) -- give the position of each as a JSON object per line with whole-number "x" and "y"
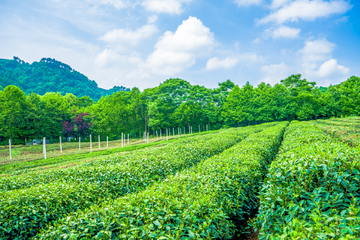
{"x": 208, "y": 201}
{"x": 312, "y": 188}
{"x": 58, "y": 193}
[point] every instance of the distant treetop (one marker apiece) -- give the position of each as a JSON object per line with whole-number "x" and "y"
{"x": 50, "y": 75}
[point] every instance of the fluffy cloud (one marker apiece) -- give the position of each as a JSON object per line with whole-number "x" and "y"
{"x": 247, "y": 2}
{"x": 278, "y": 3}
{"x": 125, "y": 35}
{"x": 275, "y": 72}
{"x": 317, "y": 50}
{"x": 109, "y": 57}
{"x": 284, "y": 32}
{"x": 317, "y": 53}
{"x": 165, "y": 6}
{"x": 305, "y": 9}
{"x": 177, "y": 51}
{"x": 331, "y": 67}
{"x": 215, "y": 63}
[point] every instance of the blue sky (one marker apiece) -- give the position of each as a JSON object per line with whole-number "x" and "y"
{"x": 144, "y": 42}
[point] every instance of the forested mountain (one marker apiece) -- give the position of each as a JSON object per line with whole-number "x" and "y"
{"x": 50, "y": 75}
{"x": 174, "y": 103}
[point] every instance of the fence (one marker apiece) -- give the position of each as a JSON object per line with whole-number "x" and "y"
{"x": 17, "y": 153}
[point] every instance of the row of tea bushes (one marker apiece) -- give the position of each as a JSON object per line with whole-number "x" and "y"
{"x": 21, "y": 167}
{"x": 346, "y": 131}
{"x": 86, "y": 171}
{"x": 312, "y": 188}
{"x": 214, "y": 199}
{"x": 24, "y": 212}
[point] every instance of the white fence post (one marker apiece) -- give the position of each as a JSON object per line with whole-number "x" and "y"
{"x": 10, "y": 148}
{"x": 44, "y": 147}
{"x": 90, "y": 143}
{"x": 60, "y": 144}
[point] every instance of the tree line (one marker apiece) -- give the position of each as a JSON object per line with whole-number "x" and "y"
{"x": 174, "y": 103}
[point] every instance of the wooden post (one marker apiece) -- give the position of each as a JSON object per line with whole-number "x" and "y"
{"x": 10, "y": 148}
{"x": 44, "y": 146}
{"x": 79, "y": 143}
{"x": 90, "y": 144}
{"x": 99, "y": 140}
{"x": 122, "y": 139}
{"x": 107, "y": 142}
{"x": 207, "y": 129}
{"x": 60, "y": 144}
{"x": 148, "y": 141}
{"x": 157, "y": 135}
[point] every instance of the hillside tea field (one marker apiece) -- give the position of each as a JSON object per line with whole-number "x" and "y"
{"x": 282, "y": 180}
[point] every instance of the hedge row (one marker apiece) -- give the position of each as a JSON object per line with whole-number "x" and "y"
{"x": 23, "y": 212}
{"x": 85, "y": 171}
{"x": 347, "y": 132}
{"x": 212, "y": 200}
{"x": 27, "y": 166}
{"x": 312, "y": 188}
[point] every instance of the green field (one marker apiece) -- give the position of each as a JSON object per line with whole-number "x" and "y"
{"x": 277, "y": 180}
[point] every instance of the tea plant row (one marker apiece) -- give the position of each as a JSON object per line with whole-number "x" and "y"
{"x": 312, "y": 188}
{"x": 214, "y": 199}
{"x": 41, "y": 199}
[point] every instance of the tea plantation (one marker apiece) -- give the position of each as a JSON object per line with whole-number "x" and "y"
{"x": 279, "y": 180}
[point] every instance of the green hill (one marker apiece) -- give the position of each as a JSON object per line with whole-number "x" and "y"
{"x": 50, "y": 75}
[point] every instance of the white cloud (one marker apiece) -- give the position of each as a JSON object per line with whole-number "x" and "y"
{"x": 306, "y": 10}
{"x": 215, "y": 63}
{"x": 247, "y": 2}
{"x": 152, "y": 19}
{"x": 125, "y": 35}
{"x": 274, "y": 73}
{"x": 278, "y": 3}
{"x": 165, "y": 6}
{"x": 256, "y": 41}
{"x": 109, "y": 57}
{"x": 284, "y": 32}
{"x": 317, "y": 50}
{"x": 331, "y": 67}
{"x": 177, "y": 51}
{"x": 252, "y": 57}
